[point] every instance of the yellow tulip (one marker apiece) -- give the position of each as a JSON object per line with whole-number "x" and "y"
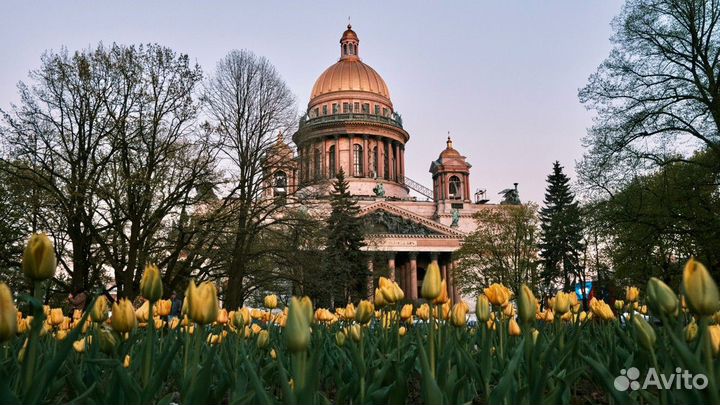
{"x": 123, "y": 316}
{"x": 56, "y": 316}
{"x": 340, "y": 339}
{"x": 364, "y": 311}
{"x": 39, "y": 262}
{"x": 214, "y": 339}
{"x": 99, "y": 312}
{"x": 65, "y": 324}
{"x": 602, "y": 310}
{"x": 619, "y": 305}
{"x": 691, "y": 331}
{"x": 77, "y": 314}
{"x": 514, "y": 328}
{"x": 432, "y": 284}
{"x": 406, "y": 311}
{"x": 8, "y": 314}
{"x": 256, "y": 313}
{"x": 701, "y": 292}
{"x": 561, "y": 304}
{"x": 482, "y": 308}
{"x": 662, "y": 299}
{"x": 174, "y": 323}
{"x": 22, "y": 327}
{"x": 80, "y": 345}
{"x": 126, "y": 361}
{"x": 423, "y": 312}
{"x": 202, "y": 302}
{"x": 222, "y": 316}
{"x": 379, "y": 299}
{"x": 349, "y": 312}
{"x": 273, "y": 354}
{"x": 443, "y": 297}
{"x": 143, "y": 313}
{"x": 509, "y": 310}
{"x": 714, "y": 331}
{"x": 61, "y": 334}
{"x": 459, "y": 314}
{"x": 402, "y": 331}
{"x": 323, "y": 315}
{"x": 632, "y": 294}
{"x": 270, "y": 301}
{"x": 356, "y": 332}
{"x": 498, "y": 294}
{"x": 163, "y": 307}
{"x": 527, "y": 305}
{"x": 263, "y": 339}
{"x": 151, "y": 283}
{"x": 297, "y": 331}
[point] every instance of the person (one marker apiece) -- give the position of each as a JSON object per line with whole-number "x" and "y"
{"x": 77, "y": 301}
{"x": 176, "y": 307}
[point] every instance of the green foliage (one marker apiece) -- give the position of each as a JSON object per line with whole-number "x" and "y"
{"x": 562, "y": 232}
{"x": 502, "y": 249}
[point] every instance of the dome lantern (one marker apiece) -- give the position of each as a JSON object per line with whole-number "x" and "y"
{"x": 349, "y": 44}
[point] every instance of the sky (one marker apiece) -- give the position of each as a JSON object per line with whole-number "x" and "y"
{"x": 501, "y": 77}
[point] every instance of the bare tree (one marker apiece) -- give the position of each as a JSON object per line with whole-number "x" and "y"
{"x": 248, "y": 104}
{"x": 59, "y": 140}
{"x": 657, "y": 96}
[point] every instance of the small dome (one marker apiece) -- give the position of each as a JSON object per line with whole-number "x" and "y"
{"x": 449, "y": 150}
{"x": 349, "y": 34}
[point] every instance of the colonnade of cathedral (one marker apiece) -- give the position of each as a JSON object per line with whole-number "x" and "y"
{"x": 408, "y": 270}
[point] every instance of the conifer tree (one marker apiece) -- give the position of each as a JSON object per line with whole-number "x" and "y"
{"x": 345, "y": 265}
{"x": 561, "y": 232}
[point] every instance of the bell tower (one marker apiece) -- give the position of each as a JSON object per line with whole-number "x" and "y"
{"x": 451, "y": 176}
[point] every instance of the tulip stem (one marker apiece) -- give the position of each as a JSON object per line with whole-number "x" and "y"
{"x": 431, "y": 340}
{"x": 708, "y": 350}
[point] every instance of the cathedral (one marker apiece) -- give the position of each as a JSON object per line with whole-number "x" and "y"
{"x": 351, "y": 125}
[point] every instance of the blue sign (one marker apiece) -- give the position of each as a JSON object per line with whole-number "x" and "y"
{"x": 579, "y": 289}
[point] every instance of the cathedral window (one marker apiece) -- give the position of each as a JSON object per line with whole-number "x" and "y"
{"x": 346, "y": 108}
{"x": 357, "y": 107}
{"x": 357, "y": 160}
{"x": 325, "y": 109}
{"x": 366, "y": 108}
{"x": 455, "y": 188}
{"x": 335, "y": 108}
{"x": 331, "y": 161}
{"x": 385, "y": 112}
{"x": 280, "y": 182}
{"x": 317, "y": 163}
{"x": 377, "y": 109}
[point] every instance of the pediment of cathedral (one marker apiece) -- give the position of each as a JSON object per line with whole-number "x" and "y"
{"x": 387, "y": 219}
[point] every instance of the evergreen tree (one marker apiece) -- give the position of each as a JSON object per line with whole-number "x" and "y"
{"x": 562, "y": 232}
{"x": 345, "y": 265}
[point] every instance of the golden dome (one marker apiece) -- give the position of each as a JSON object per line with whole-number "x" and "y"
{"x": 350, "y": 75}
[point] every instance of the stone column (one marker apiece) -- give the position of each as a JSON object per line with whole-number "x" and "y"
{"x": 381, "y": 159}
{"x": 443, "y": 271}
{"x": 453, "y": 293}
{"x": 413, "y": 276}
{"x": 366, "y": 155}
{"x": 324, "y": 156}
{"x": 351, "y": 162}
{"x": 370, "y": 284}
{"x": 337, "y": 154}
{"x": 391, "y": 266}
{"x": 396, "y": 156}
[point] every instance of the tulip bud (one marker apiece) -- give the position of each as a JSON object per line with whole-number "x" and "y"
{"x": 271, "y": 301}
{"x": 645, "y": 332}
{"x": 431, "y": 285}
{"x": 126, "y": 361}
{"x": 514, "y": 328}
{"x": 701, "y": 292}
{"x": 402, "y": 331}
{"x": 443, "y": 297}
{"x": 379, "y": 299}
{"x": 340, "y": 339}
{"x": 39, "y": 262}
{"x": 423, "y": 312}
{"x": 143, "y": 313}
{"x": 714, "y": 331}
{"x": 56, "y": 316}
{"x": 123, "y": 316}
{"x": 458, "y": 315}
{"x": 632, "y": 294}
{"x": 151, "y": 284}
{"x": 561, "y": 303}
{"x": 107, "y": 340}
{"x": 406, "y": 311}
{"x": 307, "y": 308}
{"x": 297, "y": 330}
{"x": 691, "y": 331}
{"x": 482, "y": 308}
{"x": 535, "y": 334}
{"x": 202, "y": 302}
{"x": 619, "y": 304}
{"x": 364, "y": 311}
{"x": 527, "y": 305}
{"x": 273, "y": 354}
{"x": 356, "y": 332}
{"x": 263, "y": 339}
{"x": 222, "y": 316}
{"x": 8, "y": 314}
{"x": 99, "y": 312}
